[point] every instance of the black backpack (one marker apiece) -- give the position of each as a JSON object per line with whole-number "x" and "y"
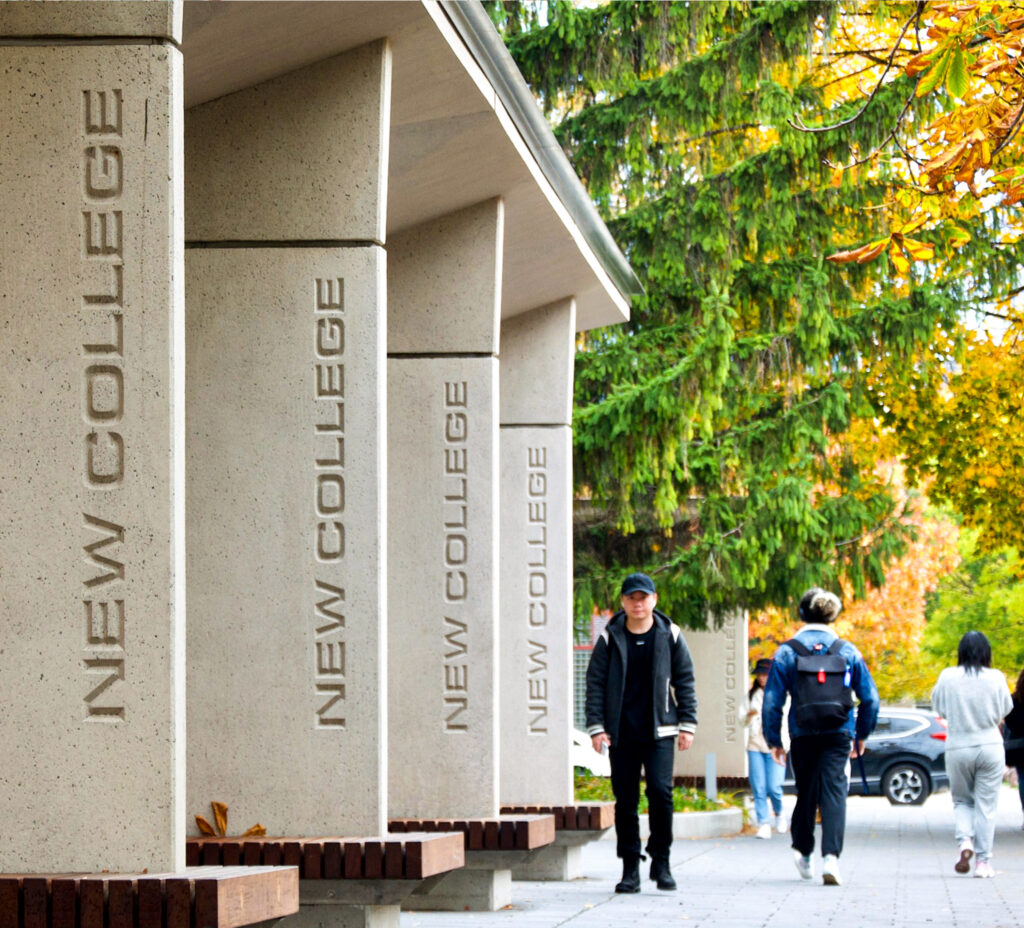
{"x": 822, "y": 695}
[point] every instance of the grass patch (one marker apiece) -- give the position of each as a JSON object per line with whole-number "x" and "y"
{"x": 684, "y": 798}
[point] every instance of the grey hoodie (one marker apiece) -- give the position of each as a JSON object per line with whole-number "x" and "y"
{"x": 973, "y": 704}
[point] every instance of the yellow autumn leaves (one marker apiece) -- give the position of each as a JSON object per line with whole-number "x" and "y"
{"x": 972, "y": 55}
{"x": 220, "y": 818}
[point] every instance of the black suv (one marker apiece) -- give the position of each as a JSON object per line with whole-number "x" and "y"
{"x": 904, "y": 759}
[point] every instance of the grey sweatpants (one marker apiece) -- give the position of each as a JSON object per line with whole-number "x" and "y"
{"x": 975, "y": 778}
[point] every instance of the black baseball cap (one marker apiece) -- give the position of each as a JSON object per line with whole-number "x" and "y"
{"x": 635, "y": 582}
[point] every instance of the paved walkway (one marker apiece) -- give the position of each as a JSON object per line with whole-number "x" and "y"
{"x": 897, "y": 871}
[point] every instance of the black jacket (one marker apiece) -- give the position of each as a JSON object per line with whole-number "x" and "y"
{"x": 673, "y": 675}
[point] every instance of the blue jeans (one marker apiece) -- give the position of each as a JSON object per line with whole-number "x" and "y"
{"x": 765, "y": 781}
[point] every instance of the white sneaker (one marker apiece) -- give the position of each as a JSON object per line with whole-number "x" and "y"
{"x": 764, "y": 832}
{"x": 966, "y": 850}
{"x": 804, "y": 865}
{"x": 781, "y": 825}
{"x": 983, "y": 870}
{"x": 830, "y": 870}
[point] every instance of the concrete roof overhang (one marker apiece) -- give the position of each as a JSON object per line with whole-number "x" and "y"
{"x": 463, "y": 129}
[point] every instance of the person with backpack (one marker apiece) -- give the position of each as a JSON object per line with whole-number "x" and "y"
{"x": 821, "y": 672}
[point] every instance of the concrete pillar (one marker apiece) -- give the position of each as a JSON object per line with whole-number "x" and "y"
{"x": 443, "y": 674}
{"x": 722, "y": 678}
{"x": 91, "y": 311}
{"x": 537, "y": 351}
{"x": 286, "y": 299}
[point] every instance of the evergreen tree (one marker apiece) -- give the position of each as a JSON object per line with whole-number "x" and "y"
{"x": 713, "y": 443}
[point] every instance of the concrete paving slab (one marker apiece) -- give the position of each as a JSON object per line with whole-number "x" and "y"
{"x": 897, "y": 870}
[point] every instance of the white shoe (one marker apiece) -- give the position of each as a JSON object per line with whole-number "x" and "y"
{"x": 830, "y": 870}
{"x": 781, "y": 825}
{"x": 966, "y": 850}
{"x": 804, "y": 865}
{"x": 983, "y": 870}
{"x": 764, "y": 832}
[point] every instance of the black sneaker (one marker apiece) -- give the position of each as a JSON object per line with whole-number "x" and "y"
{"x": 630, "y": 882}
{"x": 661, "y": 874}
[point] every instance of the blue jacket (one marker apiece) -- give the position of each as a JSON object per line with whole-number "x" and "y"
{"x": 782, "y": 678}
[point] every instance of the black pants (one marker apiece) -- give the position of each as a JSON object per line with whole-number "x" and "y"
{"x": 656, "y": 758}
{"x": 819, "y": 768}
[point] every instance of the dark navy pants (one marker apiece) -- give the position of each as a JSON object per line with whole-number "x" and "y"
{"x": 656, "y": 758}
{"x": 819, "y": 768}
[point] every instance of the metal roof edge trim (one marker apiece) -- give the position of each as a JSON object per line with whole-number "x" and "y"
{"x": 475, "y": 28}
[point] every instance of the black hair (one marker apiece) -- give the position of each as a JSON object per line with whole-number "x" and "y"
{"x": 974, "y": 652}
{"x": 754, "y": 688}
{"x": 1018, "y": 690}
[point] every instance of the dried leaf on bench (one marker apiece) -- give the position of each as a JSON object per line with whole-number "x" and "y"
{"x": 220, "y": 816}
{"x": 257, "y": 831}
{"x": 205, "y": 828}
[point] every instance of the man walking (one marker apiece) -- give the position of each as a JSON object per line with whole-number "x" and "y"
{"x": 640, "y": 697}
{"x": 821, "y": 672}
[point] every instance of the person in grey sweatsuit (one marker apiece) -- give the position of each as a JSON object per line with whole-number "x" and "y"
{"x": 974, "y": 699}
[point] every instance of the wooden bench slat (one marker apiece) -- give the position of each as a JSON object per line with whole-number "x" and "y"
{"x": 312, "y": 861}
{"x": 178, "y": 896}
{"x": 9, "y": 892}
{"x": 438, "y": 854}
{"x": 333, "y": 860}
{"x": 373, "y": 860}
{"x": 151, "y": 903}
{"x": 90, "y": 902}
{"x": 353, "y": 860}
{"x": 231, "y": 853}
{"x": 34, "y": 892}
{"x": 394, "y": 860}
{"x": 121, "y": 903}
{"x": 507, "y": 835}
{"x": 63, "y": 902}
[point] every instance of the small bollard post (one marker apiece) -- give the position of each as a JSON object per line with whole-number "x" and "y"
{"x": 710, "y": 776}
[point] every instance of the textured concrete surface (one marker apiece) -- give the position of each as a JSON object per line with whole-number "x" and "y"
{"x": 90, "y": 311}
{"x": 443, "y": 678}
{"x": 300, "y": 157}
{"x": 536, "y": 615}
{"x": 286, "y": 537}
{"x": 897, "y": 870}
{"x": 444, "y": 283}
{"x": 537, "y": 350}
{"x": 86, "y": 18}
{"x": 722, "y": 677}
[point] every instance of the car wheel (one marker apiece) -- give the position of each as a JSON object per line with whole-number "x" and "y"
{"x": 906, "y": 784}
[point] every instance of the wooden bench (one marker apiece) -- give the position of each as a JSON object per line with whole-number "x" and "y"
{"x": 522, "y": 832}
{"x": 575, "y": 825}
{"x": 205, "y": 897}
{"x": 493, "y": 848}
{"x": 373, "y": 874}
{"x": 414, "y": 857}
{"x": 583, "y": 816}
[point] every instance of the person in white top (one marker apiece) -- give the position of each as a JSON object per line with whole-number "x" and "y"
{"x": 974, "y": 699}
{"x": 765, "y": 773}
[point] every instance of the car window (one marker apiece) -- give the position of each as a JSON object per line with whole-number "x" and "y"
{"x": 883, "y": 727}
{"x": 904, "y": 724}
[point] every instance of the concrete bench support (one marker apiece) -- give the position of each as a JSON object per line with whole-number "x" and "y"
{"x": 575, "y": 825}
{"x": 493, "y": 847}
